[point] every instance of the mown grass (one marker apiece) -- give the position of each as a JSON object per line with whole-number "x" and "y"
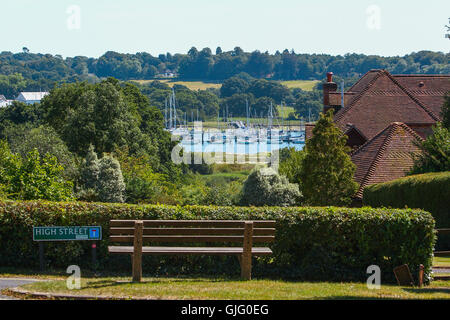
{"x": 220, "y": 288}
{"x": 306, "y": 85}
{"x": 441, "y": 262}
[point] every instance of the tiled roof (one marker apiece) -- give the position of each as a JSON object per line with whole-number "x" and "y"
{"x": 385, "y": 157}
{"x": 382, "y": 99}
{"x": 428, "y": 89}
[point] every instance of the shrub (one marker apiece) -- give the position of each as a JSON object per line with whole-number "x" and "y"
{"x": 265, "y": 187}
{"x": 429, "y": 192}
{"x": 311, "y": 243}
{"x": 424, "y": 191}
{"x": 102, "y": 179}
{"x": 435, "y": 155}
{"x": 33, "y": 177}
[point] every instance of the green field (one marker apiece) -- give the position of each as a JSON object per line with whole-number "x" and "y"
{"x": 306, "y": 85}
{"x": 192, "y": 85}
{"x": 224, "y": 288}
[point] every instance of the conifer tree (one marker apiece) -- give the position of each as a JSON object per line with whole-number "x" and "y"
{"x": 327, "y": 173}
{"x": 111, "y": 186}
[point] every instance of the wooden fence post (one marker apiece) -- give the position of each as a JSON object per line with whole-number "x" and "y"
{"x": 137, "y": 252}
{"x": 246, "y": 261}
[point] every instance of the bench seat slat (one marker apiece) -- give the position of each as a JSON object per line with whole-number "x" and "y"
{"x": 129, "y": 239}
{"x": 193, "y": 223}
{"x": 193, "y": 231}
{"x": 189, "y": 250}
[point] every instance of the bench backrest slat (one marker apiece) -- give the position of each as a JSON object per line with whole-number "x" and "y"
{"x": 192, "y": 231}
{"x": 256, "y": 239}
{"x": 168, "y": 231}
{"x": 192, "y": 223}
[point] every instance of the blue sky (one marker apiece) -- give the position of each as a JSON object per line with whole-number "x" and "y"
{"x": 158, "y": 26}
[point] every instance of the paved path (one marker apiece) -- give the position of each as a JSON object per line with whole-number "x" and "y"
{"x": 12, "y": 283}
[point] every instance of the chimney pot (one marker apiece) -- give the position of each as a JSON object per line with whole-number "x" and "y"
{"x": 330, "y": 76}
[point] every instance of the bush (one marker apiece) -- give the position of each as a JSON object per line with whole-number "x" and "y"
{"x": 424, "y": 191}
{"x": 265, "y": 187}
{"x": 311, "y": 243}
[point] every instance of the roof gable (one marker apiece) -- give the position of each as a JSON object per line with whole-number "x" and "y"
{"x": 381, "y": 102}
{"x": 385, "y": 157}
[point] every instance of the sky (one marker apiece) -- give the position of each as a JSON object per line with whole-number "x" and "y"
{"x": 90, "y": 28}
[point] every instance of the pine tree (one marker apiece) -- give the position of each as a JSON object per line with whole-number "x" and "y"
{"x": 327, "y": 174}
{"x": 90, "y": 170}
{"x": 111, "y": 186}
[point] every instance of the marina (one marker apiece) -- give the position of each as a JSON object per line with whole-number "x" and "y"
{"x": 253, "y": 136}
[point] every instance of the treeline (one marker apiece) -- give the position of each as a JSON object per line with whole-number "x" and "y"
{"x": 42, "y": 70}
{"x": 232, "y": 98}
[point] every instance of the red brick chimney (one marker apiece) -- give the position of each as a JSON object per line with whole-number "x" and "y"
{"x": 328, "y": 87}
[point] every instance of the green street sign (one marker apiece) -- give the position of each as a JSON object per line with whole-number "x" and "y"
{"x": 67, "y": 233}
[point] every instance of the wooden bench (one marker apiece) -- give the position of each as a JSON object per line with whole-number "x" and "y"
{"x": 191, "y": 231}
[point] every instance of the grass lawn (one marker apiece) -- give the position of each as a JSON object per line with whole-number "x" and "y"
{"x": 306, "y": 85}
{"x": 441, "y": 261}
{"x": 215, "y": 289}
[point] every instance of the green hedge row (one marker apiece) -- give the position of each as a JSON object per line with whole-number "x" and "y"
{"x": 311, "y": 243}
{"x": 430, "y": 192}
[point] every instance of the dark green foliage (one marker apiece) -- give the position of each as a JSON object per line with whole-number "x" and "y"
{"x": 25, "y": 138}
{"x": 435, "y": 155}
{"x": 291, "y": 161}
{"x": 311, "y": 243}
{"x": 19, "y": 113}
{"x": 327, "y": 170}
{"x": 429, "y": 192}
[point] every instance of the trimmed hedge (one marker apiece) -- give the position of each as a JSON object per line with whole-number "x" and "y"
{"x": 311, "y": 243}
{"x": 430, "y": 192}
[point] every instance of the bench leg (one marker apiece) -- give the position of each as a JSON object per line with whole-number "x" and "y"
{"x": 246, "y": 259}
{"x": 137, "y": 251}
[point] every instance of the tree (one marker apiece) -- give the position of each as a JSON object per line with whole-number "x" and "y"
{"x": 25, "y": 138}
{"x": 265, "y": 187}
{"x": 32, "y": 177}
{"x": 291, "y": 161}
{"x": 101, "y": 180}
{"x": 327, "y": 173}
{"x": 111, "y": 186}
{"x": 435, "y": 155}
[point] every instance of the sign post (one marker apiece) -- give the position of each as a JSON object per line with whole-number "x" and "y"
{"x": 48, "y": 234}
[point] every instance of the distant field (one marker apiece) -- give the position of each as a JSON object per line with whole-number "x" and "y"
{"x": 193, "y": 85}
{"x": 307, "y": 85}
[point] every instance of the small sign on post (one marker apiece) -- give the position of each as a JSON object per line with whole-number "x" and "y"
{"x": 67, "y": 233}
{"x": 47, "y": 234}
